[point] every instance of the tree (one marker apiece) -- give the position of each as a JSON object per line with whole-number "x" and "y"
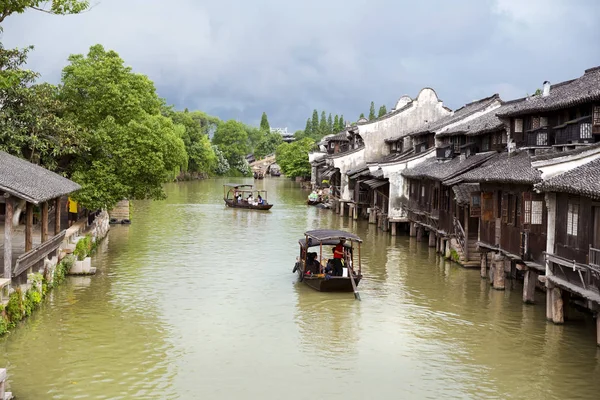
{"x": 293, "y": 158}
{"x": 330, "y": 124}
{"x": 382, "y": 111}
{"x": 336, "y": 124}
{"x": 314, "y": 131}
{"x": 232, "y": 139}
{"x": 323, "y": 128}
{"x": 308, "y": 128}
{"x": 128, "y": 148}
{"x": 267, "y": 145}
{"x": 58, "y": 7}
{"x": 362, "y": 115}
{"x": 255, "y": 135}
{"x": 372, "y": 111}
{"x": 264, "y": 123}
{"x": 342, "y": 123}
{"x": 222, "y": 166}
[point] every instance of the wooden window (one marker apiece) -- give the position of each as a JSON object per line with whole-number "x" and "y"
{"x": 504, "y": 207}
{"x": 535, "y": 123}
{"x": 487, "y": 199}
{"x": 511, "y": 209}
{"x": 596, "y": 116}
{"x": 585, "y": 131}
{"x": 436, "y": 198}
{"x": 542, "y": 139}
{"x": 543, "y": 122}
{"x": 533, "y": 210}
{"x": 572, "y": 219}
{"x": 485, "y": 143}
{"x": 504, "y": 138}
{"x": 518, "y": 125}
{"x": 475, "y": 208}
{"x": 422, "y": 191}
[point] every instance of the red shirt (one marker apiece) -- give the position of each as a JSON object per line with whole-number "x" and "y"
{"x": 338, "y": 248}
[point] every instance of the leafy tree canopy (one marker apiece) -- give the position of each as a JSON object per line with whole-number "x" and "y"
{"x": 382, "y": 111}
{"x": 232, "y": 139}
{"x": 267, "y": 145}
{"x": 59, "y": 7}
{"x": 293, "y": 157}
{"x": 264, "y": 123}
{"x": 372, "y": 111}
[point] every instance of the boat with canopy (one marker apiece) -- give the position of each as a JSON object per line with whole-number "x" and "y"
{"x": 340, "y": 272}
{"x": 238, "y": 195}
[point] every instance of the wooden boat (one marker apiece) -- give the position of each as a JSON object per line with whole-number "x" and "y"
{"x": 259, "y": 175}
{"x": 317, "y": 273}
{"x": 313, "y": 202}
{"x": 230, "y": 190}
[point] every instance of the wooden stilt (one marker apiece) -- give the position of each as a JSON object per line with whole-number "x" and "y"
{"x": 432, "y": 239}
{"x": 29, "y": 227}
{"x": 598, "y": 329}
{"x": 529, "y": 286}
{"x": 8, "y": 216}
{"x": 44, "y": 222}
{"x": 484, "y": 266}
{"x": 355, "y": 212}
{"x": 419, "y": 234}
{"x": 499, "y": 275}
{"x": 342, "y": 209}
{"x": 413, "y": 229}
{"x": 549, "y": 287}
{"x": 557, "y": 306}
{"x": 394, "y": 227}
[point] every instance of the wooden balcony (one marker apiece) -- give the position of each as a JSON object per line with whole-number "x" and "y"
{"x": 594, "y": 258}
{"x": 445, "y": 152}
{"x": 540, "y": 137}
{"x": 575, "y": 131}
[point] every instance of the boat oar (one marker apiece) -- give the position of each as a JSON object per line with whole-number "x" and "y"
{"x": 356, "y": 294}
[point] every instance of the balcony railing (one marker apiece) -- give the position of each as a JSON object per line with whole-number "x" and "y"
{"x": 540, "y": 137}
{"x": 594, "y": 257}
{"x": 575, "y": 131}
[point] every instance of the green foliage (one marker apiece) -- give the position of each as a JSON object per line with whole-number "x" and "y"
{"x": 330, "y": 124}
{"x": 323, "y": 128}
{"x": 454, "y": 255}
{"x": 255, "y": 135}
{"x": 62, "y": 269}
{"x": 59, "y": 7}
{"x": 222, "y": 165}
{"x": 232, "y": 139}
{"x": 362, "y": 115}
{"x": 130, "y": 148}
{"x": 372, "y": 111}
{"x": 336, "y": 124}
{"x": 15, "y": 308}
{"x": 342, "y": 123}
{"x": 267, "y": 145}
{"x": 308, "y": 128}
{"x": 293, "y": 158}
{"x": 314, "y": 130}
{"x": 382, "y": 111}
{"x": 538, "y": 92}
{"x": 83, "y": 248}
{"x": 264, "y": 123}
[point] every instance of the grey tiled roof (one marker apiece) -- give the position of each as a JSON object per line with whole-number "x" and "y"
{"x": 556, "y": 154}
{"x": 503, "y": 168}
{"x": 463, "y": 112}
{"x": 489, "y": 122}
{"x": 462, "y": 192}
{"x": 340, "y": 137}
{"x": 31, "y": 182}
{"x": 583, "y": 180}
{"x": 442, "y": 170}
{"x": 565, "y": 94}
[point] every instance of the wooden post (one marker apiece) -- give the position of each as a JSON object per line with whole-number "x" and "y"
{"x": 384, "y": 223}
{"x": 531, "y": 277}
{"x": 419, "y": 234}
{"x": 342, "y": 208}
{"x": 56, "y": 216}
{"x": 413, "y": 229}
{"x": 483, "y": 260}
{"x": 438, "y": 241}
{"x": 28, "y": 227}
{"x": 44, "y": 221}
{"x": 598, "y": 329}
{"x": 355, "y": 212}
{"x": 549, "y": 287}
{"x": 359, "y": 260}
{"x": 466, "y": 249}
{"x": 557, "y": 306}
{"x": 499, "y": 276}
{"x": 393, "y": 228}
{"x": 8, "y": 216}
{"x": 431, "y": 239}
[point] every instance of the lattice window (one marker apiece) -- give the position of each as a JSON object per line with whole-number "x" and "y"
{"x": 537, "y": 208}
{"x": 572, "y": 219}
{"x": 596, "y": 117}
{"x": 535, "y": 123}
{"x": 542, "y": 139}
{"x": 543, "y": 122}
{"x": 518, "y": 125}
{"x": 585, "y": 131}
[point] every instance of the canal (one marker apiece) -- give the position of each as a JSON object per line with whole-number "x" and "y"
{"x": 197, "y": 301}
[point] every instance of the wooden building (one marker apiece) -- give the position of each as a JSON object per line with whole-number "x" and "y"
{"x": 573, "y": 245}
{"x": 23, "y": 187}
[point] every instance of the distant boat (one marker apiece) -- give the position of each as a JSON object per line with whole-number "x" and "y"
{"x": 243, "y": 191}
{"x": 319, "y": 273}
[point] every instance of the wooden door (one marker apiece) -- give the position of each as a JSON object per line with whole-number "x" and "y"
{"x": 596, "y": 227}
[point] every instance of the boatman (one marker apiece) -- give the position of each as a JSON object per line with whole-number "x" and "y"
{"x": 338, "y": 257}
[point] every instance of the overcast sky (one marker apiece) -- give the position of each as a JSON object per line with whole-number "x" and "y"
{"x": 238, "y": 58}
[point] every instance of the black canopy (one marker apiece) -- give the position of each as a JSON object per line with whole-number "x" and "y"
{"x": 322, "y": 235}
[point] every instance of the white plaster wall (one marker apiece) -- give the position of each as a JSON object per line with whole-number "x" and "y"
{"x": 398, "y": 188}
{"x": 550, "y": 168}
{"x": 345, "y": 164}
{"x": 493, "y": 106}
{"x": 426, "y": 108}
{"x": 316, "y": 156}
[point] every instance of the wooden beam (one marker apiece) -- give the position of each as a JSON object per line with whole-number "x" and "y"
{"x": 28, "y": 227}
{"x": 44, "y": 221}
{"x": 8, "y": 216}
{"x": 57, "y": 215}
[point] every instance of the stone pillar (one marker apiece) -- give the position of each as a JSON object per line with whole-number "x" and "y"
{"x": 499, "y": 275}
{"x": 531, "y": 277}
{"x": 355, "y": 212}
{"x": 384, "y": 223}
{"x": 549, "y": 288}
{"x": 431, "y": 239}
{"x": 438, "y": 242}
{"x": 484, "y": 266}
{"x": 8, "y": 229}
{"x": 448, "y": 248}
{"x": 557, "y": 306}
{"x": 413, "y": 229}
{"x": 372, "y": 216}
{"x": 598, "y": 329}
{"x": 342, "y": 208}
{"x": 393, "y": 228}
{"x": 420, "y": 234}
{"x": 2, "y": 383}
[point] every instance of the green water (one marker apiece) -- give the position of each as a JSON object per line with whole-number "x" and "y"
{"x": 198, "y": 301}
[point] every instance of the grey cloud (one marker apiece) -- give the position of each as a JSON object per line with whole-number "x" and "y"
{"x": 236, "y": 58}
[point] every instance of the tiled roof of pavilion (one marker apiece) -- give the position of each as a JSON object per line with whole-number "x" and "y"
{"x": 442, "y": 170}
{"x": 502, "y": 168}
{"x": 31, "y": 182}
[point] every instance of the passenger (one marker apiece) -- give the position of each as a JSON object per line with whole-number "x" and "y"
{"x": 250, "y": 199}
{"x": 338, "y": 257}
{"x": 312, "y": 264}
{"x": 260, "y": 200}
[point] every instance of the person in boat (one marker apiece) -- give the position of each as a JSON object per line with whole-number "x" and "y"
{"x": 250, "y": 199}
{"x": 312, "y": 264}
{"x": 260, "y": 200}
{"x": 338, "y": 258}
{"x": 313, "y": 196}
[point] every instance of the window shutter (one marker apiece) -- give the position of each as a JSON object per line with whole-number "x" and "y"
{"x": 475, "y": 208}
{"x": 487, "y": 199}
{"x": 505, "y": 208}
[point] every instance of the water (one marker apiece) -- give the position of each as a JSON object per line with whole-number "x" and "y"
{"x": 198, "y": 301}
